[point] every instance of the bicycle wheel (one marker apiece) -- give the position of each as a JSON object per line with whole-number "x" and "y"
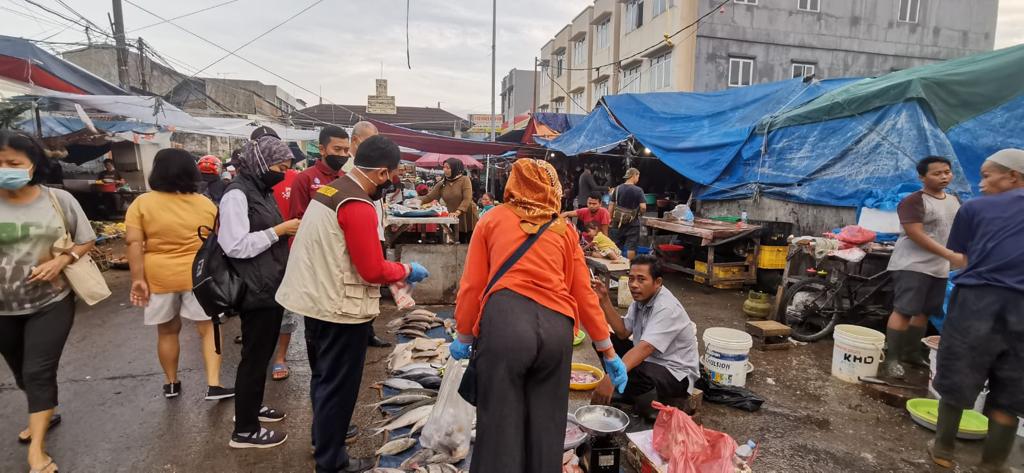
{"x": 809, "y": 310}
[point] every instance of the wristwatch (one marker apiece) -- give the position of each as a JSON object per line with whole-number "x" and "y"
{"x": 74, "y": 256}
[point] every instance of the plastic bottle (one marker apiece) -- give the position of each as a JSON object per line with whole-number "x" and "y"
{"x": 743, "y": 452}
{"x": 402, "y": 292}
{"x": 743, "y": 217}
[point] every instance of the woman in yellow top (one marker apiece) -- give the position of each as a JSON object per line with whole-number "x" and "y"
{"x": 162, "y": 239}
{"x": 456, "y": 190}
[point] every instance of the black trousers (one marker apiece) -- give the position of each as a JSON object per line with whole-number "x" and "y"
{"x": 309, "y": 326}
{"x": 524, "y": 359}
{"x": 648, "y": 376}
{"x": 32, "y": 345}
{"x": 260, "y": 329}
{"x": 334, "y": 387}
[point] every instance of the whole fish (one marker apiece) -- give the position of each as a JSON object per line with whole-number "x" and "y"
{"x": 412, "y": 333}
{"x": 401, "y": 384}
{"x": 418, "y": 375}
{"x": 425, "y": 354}
{"x": 419, "y": 425}
{"x": 381, "y": 469}
{"x": 407, "y": 419}
{"x": 396, "y": 446}
{"x": 415, "y": 405}
{"x": 401, "y": 400}
{"x": 410, "y": 374}
{"x": 422, "y": 312}
{"x": 424, "y": 391}
{"x": 437, "y": 468}
{"x": 417, "y": 459}
{"x": 414, "y": 366}
{"x": 396, "y": 323}
{"x": 430, "y": 382}
{"x": 417, "y": 325}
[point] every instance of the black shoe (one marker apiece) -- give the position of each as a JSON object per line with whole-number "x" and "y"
{"x": 271, "y": 415}
{"x": 265, "y": 438}
{"x": 358, "y": 465}
{"x": 172, "y": 389}
{"x": 353, "y": 431}
{"x": 376, "y": 342}
{"x": 216, "y": 393}
{"x": 238, "y": 339}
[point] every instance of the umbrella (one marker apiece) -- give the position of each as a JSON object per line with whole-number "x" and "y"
{"x": 435, "y": 160}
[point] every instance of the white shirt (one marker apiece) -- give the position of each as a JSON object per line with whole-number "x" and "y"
{"x": 234, "y": 236}
{"x": 663, "y": 322}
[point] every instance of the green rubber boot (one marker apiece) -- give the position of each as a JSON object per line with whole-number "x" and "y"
{"x": 942, "y": 448}
{"x": 914, "y": 352}
{"x": 891, "y": 368}
{"x": 998, "y": 446}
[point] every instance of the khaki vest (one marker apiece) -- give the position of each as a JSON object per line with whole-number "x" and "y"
{"x": 320, "y": 281}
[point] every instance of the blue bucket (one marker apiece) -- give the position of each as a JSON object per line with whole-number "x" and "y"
{"x": 643, "y": 250}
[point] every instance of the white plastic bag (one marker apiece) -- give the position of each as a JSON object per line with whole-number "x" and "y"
{"x": 450, "y": 425}
{"x": 682, "y": 212}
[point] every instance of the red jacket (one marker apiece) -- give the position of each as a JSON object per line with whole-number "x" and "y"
{"x": 306, "y": 184}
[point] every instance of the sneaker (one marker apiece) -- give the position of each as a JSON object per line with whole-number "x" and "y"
{"x": 216, "y": 393}
{"x": 172, "y": 389}
{"x": 268, "y": 414}
{"x": 265, "y": 438}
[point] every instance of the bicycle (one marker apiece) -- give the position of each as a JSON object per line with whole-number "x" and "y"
{"x": 814, "y": 305}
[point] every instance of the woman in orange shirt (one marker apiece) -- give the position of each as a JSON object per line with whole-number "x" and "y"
{"x": 525, "y": 325}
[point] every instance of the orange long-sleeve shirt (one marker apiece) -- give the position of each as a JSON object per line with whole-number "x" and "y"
{"x": 553, "y": 273}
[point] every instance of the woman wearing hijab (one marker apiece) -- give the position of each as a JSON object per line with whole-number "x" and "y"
{"x": 252, "y": 234}
{"x": 525, "y": 324}
{"x": 456, "y": 190}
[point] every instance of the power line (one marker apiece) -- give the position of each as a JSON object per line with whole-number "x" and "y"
{"x": 79, "y": 15}
{"x": 182, "y": 16}
{"x": 72, "y": 20}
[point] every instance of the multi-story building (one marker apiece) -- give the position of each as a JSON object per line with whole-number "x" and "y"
{"x": 517, "y": 93}
{"x": 632, "y": 46}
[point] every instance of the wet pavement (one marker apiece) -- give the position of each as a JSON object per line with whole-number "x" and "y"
{"x": 116, "y": 419}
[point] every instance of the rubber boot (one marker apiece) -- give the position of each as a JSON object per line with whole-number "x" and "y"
{"x": 998, "y": 446}
{"x": 891, "y": 368}
{"x": 914, "y": 352}
{"x": 942, "y": 448}
{"x": 642, "y": 405}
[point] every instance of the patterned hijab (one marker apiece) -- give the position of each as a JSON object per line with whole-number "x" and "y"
{"x": 258, "y": 155}
{"x": 534, "y": 193}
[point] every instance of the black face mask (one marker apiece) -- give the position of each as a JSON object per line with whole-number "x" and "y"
{"x": 335, "y": 161}
{"x": 271, "y": 178}
{"x": 383, "y": 190}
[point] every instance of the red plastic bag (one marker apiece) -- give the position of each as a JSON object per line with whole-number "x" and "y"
{"x": 856, "y": 235}
{"x": 688, "y": 447}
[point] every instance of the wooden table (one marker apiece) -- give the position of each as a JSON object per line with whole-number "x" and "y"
{"x": 402, "y": 224}
{"x": 712, "y": 233}
{"x": 605, "y": 269}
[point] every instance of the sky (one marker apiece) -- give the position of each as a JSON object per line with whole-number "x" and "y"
{"x": 340, "y": 46}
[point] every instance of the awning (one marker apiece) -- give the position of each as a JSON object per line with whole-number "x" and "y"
{"x": 440, "y": 144}
{"x": 597, "y": 133}
{"x": 436, "y": 160}
{"x": 23, "y": 61}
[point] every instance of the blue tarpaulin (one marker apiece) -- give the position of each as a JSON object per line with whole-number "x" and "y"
{"x": 596, "y": 133}
{"x": 980, "y": 137}
{"x": 54, "y": 125}
{"x": 560, "y": 122}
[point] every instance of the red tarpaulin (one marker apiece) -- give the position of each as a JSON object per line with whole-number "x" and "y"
{"x": 440, "y": 144}
{"x": 435, "y": 160}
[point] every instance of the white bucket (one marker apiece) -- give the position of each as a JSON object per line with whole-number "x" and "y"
{"x": 727, "y": 352}
{"x": 856, "y": 353}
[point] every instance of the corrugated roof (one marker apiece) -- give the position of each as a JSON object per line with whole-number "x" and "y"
{"x": 416, "y": 118}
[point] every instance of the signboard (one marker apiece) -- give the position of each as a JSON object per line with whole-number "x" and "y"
{"x": 382, "y": 103}
{"x": 485, "y": 120}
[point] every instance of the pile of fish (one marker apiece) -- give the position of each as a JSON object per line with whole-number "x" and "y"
{"x": 432, "y": 351}
{"x": 416, "y": 323}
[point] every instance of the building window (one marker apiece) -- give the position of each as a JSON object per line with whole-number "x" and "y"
{"x": 741, "y": 72}
{"x": 661, "y": 72}
{"x": 909, "y": 10}
{"x": 558, "y": 106}
{"x": 601, "y": 33}
{"x": 559, "y": 64}
{"x": 746, "y": 2}
{"x": 631, "y": 80}
{"x": 809, "y": 5}
{"x": 579, "y": 52}
{"x": 660, "y": 6}
{"x": 577, "y": 103}
{"x": 802, "y": 69}
{"x": 600, "y": 89}
{"x": 634, "y": 15}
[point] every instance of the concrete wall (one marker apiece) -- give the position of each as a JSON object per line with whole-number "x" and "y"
{"x": 544, "y": 82}
{"x": 680, "y": 14}
{"x": 807, "y": 219}
{"x": 580, "y": 80}
{"x": 561, "y": 82}
{"x": 102, "y": 61}
{"x": 605, "y": 9}
{"x": 517, "y": 89}
{"x": 200, "y": 145}
{"x": 846, "y": 38}
{"x": 445, "y": 263}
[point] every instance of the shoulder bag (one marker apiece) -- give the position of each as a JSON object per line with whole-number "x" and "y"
{"x": 83, "y": 275}
{"x": 215, "y": 282}
{"x": 468, "y": 387}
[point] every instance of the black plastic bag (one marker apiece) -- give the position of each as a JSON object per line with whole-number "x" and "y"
{"x": 732, "y": 396}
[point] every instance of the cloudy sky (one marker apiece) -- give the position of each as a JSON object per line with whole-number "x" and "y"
{"x": 339, "y": 46}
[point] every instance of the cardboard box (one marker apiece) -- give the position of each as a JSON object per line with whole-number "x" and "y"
{"x": 641, "y": 455}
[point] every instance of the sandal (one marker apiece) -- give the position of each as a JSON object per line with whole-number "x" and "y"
{"x": 280, "y": 372}
{"x": 50, "y": 467}
{"x": 53, "y": 423}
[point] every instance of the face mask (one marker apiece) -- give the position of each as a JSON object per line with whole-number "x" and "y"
{"x": 271, "y": 178}
{"x": 382, "y": 189}
{"x": 12, "y": 179}
{"x": 335, "y": 162}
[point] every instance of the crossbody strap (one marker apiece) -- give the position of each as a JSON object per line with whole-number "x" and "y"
{"x": 511, "y": 261}
{"x": 57, "y": 207}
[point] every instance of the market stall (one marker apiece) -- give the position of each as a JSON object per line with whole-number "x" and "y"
{"x": 395, "y": 226}
{"x": 712, "y": 234}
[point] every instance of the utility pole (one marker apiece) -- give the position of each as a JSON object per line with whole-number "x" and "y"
{"x": 142, "y": 65}
{"x": 122, "y": 47}
{"x": 533, "y": 108}
{"x": 494, "y": 39}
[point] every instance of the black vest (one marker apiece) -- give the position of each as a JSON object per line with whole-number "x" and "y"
{"x": 262, "y": 273}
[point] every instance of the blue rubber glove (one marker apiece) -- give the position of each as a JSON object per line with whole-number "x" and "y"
{"x": 616, "y": 370}
{"x": 459, "y": 350}
{"x": 417, "y": 273}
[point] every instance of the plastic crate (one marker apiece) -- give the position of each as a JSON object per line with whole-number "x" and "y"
{"x": 720, "y": 272}
{"x": 772, "y": 257}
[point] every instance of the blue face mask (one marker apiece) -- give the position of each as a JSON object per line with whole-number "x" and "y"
{"x": 12, "y": 179}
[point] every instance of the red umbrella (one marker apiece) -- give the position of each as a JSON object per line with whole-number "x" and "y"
{"x": 436, "y": 160}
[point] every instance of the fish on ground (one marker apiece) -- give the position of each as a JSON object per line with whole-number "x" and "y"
{"x": 407, "y": 419}
{"x": 400, "y": 384}
{"x": 396, "y": 446}
{"x": 401, "y": 400}
{"x": 431, "y": 382}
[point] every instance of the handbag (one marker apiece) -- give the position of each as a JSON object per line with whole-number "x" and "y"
{"x": 83, "y": 274}
{"x": 468, "y": 386}
{"x": 215, "y": 282}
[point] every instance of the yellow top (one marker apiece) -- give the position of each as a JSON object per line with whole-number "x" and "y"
{"x": 169, "y": 223}
{"x": 605, "y": 244}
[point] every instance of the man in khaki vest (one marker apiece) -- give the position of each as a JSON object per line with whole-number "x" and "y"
{"x": 334, "y": 274}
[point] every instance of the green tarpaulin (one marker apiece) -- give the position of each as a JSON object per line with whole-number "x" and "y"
{"x": 954, "y": 91}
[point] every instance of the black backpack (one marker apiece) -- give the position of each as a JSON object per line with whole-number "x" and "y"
{"x": 215, "y": 283}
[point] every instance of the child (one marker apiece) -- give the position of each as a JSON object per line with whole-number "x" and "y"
{"x": 600, "y": 244}
{"x": 486, "y": 203}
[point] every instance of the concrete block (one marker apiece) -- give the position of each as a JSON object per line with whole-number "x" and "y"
{"x": 445, "y": 263}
